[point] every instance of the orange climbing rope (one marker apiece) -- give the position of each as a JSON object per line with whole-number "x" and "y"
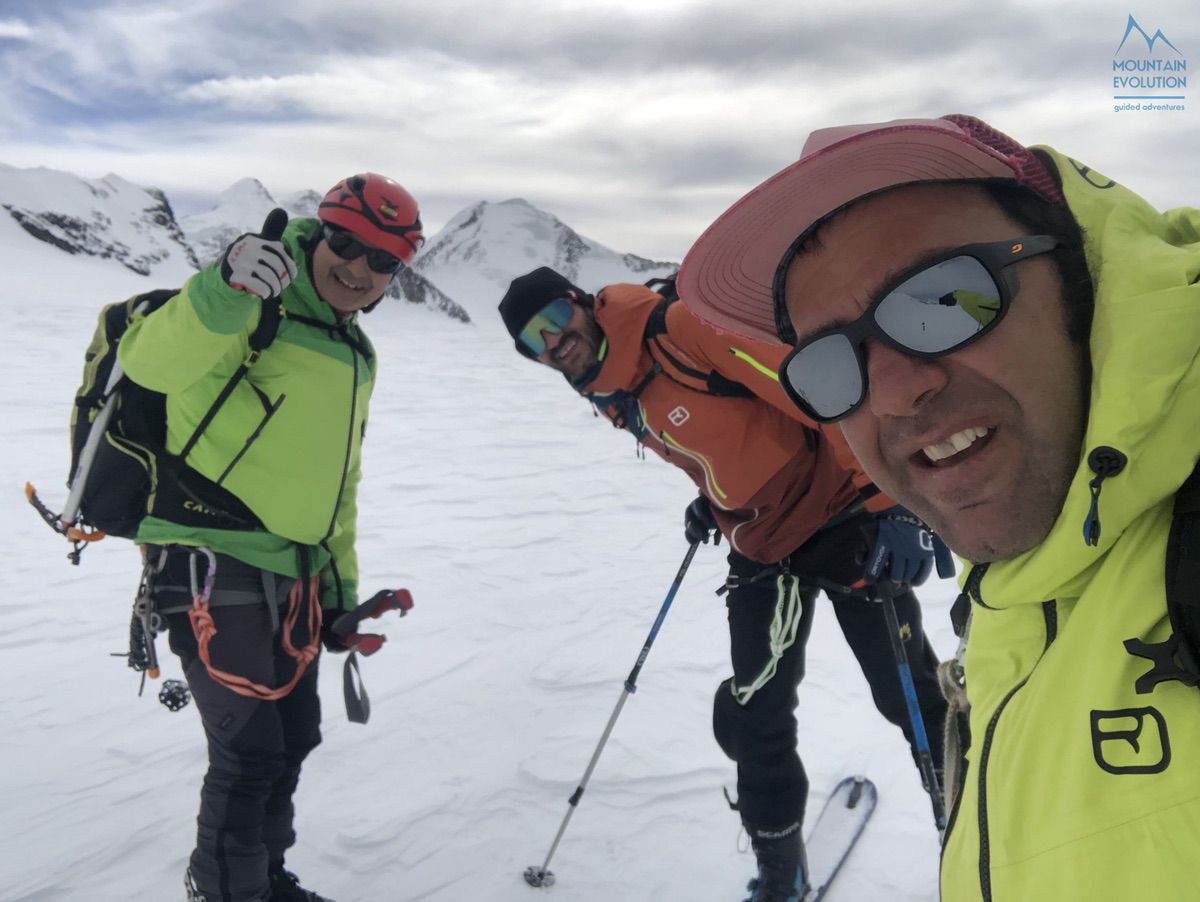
{"x": 302, "y": 592}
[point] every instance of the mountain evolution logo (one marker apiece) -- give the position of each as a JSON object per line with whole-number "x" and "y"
{"x": 1150, "y": 79}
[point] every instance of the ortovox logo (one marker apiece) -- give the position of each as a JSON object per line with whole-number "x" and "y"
{"x": 1131, "y": 741}
{"x": 679, "y": 416}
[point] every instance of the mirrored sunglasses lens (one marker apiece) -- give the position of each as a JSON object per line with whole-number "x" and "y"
{"x": 827, "y": 376}
{"x": 941, "y": 307}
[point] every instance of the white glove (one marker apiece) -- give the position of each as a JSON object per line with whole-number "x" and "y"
{"x": 259, "y": 263}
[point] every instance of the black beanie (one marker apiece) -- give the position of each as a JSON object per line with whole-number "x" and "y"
{"x": 531, "y": 292}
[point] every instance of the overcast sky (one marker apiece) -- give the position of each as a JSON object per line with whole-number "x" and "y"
{"x": 634, "y": 121}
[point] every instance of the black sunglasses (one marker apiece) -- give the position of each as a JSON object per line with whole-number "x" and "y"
{"x": 346, "y": 246}
{"x": 933, "y": 309}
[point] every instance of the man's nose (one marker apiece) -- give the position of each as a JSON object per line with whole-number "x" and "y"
{"x": 359, "y": 267}
{"x": 898, "y": 385}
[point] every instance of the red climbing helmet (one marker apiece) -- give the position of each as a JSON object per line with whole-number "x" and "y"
{"x": 377, "y": 210}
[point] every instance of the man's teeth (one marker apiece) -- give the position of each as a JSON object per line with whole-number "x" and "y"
{"x": 960, "y": 441}
{"x": 564, "y": 347}
{"x": 349, "y": 285}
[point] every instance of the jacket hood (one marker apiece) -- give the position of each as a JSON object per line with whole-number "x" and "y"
{"x": 1145, "y": 391}
{"x": 621, "y": 313}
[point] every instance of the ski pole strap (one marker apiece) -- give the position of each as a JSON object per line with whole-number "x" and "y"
{"x": 354, "y": 691}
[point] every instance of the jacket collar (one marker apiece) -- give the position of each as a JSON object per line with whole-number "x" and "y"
{"x": 1145, "y": 390}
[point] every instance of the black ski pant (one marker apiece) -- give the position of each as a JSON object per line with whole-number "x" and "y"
{"x": 255, "y": 747}
{"x": 770, "y": 618}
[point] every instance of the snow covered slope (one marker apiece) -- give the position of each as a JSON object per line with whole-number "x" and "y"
{"x": 538, "y": 548}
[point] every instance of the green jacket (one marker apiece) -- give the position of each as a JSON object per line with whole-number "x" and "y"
{"x": 1077, "y": 787}
{"x": 300, "y": 471}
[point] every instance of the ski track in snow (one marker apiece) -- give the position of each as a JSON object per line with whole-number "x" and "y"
{"x": 538, "y": 548}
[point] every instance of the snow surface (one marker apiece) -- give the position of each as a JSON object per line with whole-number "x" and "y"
{"x": 538, "y": 548}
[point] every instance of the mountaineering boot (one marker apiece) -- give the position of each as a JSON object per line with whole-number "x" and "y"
{"x": 194, "y": 894}
{"x": 782, "y": 866}
{"x": 189, "y": 886}
{"x": 285, "y": 887}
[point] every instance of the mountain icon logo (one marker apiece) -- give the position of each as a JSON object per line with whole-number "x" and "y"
{"x": 1133, "y": 26}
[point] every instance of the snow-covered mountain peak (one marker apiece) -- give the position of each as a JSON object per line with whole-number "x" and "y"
{"x": 240, "y": 208}
{"x": 109, "y": 218}
{"x": 485, "y": 246}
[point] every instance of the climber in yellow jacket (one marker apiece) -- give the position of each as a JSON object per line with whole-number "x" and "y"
{"x": 1010, "y": 342}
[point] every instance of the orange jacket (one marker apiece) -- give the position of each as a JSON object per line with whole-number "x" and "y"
{"x": 773, "y": 478}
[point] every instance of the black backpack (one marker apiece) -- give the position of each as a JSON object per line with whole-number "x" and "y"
{"x": 131, "y": 475}
{"x": 1178, "y": 657}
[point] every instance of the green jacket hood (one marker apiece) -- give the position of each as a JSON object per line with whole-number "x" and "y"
{"x": 1145, "y": 353}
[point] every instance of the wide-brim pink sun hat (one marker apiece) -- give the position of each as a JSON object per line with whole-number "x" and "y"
{"x": 732, "y": 276}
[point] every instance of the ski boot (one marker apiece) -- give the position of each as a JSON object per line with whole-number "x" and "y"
{"x": 194, "y": 894}
{"x": 782, "y": 866}
{"x": 285, "y": 887}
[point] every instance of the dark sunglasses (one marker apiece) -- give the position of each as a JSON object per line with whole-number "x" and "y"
{"x": 933, "y": 309}
{"x": 346, "y": 246}
{"x": 552, "y": 318}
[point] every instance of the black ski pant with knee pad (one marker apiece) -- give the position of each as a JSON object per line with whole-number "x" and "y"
{"x": 770, "y": 617}
{"x": 255, "y": 747}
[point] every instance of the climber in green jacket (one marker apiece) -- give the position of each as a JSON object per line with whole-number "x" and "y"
{"x": 285, "y": 444}
{"x": 1044, "y": 433}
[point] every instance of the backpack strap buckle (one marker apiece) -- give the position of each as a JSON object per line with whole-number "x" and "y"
{"x": 1170, "y": 659}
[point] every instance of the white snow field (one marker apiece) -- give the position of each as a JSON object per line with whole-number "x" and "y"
{"x": 538, "y": 548}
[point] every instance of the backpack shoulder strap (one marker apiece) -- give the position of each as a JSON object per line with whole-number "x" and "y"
{"x": 1183, "y": 569}
{"x": 260, "y": 339}
{"x": 708, "y": 383}
{"x": 1178, "y": 658}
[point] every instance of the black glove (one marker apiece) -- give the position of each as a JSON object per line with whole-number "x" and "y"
{"x": 904, "y": 548}
{"x": 699, "y": 523}
{"x": 331, "y": 640}
{"x": 259, "y": 264}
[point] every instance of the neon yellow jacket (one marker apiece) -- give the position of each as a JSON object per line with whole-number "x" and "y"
{"x": 1076, "y": 787}
{"x": 300, "y": 464}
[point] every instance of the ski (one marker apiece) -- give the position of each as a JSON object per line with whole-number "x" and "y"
{"x": 836, "y": 830}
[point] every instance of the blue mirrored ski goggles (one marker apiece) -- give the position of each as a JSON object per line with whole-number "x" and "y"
{"x": 552, "y": 318}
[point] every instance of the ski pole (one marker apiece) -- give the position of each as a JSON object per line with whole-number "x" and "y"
{"x": 541, "y": 876}
{"x": 920, "y": 737}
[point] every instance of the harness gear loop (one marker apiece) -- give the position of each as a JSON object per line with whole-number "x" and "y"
{"x": 304, "y": 593}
